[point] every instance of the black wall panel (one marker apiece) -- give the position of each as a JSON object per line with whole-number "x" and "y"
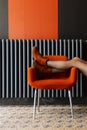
{"x": 3, "y": 19}
{"x": 73, "y": 19}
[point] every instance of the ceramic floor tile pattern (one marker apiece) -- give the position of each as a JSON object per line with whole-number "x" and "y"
{"x": 50, "y": 117}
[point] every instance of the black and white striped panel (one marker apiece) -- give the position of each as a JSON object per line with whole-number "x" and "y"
{"x": 16, "y": 57}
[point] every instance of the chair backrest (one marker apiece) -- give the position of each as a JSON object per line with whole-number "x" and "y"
{"x": 55, "y": 75}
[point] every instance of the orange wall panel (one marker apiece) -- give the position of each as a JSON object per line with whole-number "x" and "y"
{"x": 33, "y": 19}
{"x": 15, "y": 19}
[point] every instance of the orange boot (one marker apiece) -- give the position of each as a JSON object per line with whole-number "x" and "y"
{"x": 42, "y": 68}
{"x": 37, "y": 56}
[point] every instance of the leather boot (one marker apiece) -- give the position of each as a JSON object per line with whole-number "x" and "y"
{"x": 37, "y": 56}
{"x": 42, "y": 68}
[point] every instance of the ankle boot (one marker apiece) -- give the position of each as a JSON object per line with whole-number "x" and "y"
{"x": 42, "y": 68}
{"x": 37, "y": 56}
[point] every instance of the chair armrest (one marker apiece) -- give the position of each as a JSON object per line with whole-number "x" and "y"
{"x": 73, "y": 74}
{"x": 31, "y": 75}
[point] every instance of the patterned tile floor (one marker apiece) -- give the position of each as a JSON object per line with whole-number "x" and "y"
{"x": 17, "y": 115}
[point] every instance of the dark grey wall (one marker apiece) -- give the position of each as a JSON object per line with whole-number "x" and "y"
{"x": 73, "y": 19}
{"x": 3, "y": 19}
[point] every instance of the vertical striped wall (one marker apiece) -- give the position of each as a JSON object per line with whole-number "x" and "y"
{"x": 16, "y": 57}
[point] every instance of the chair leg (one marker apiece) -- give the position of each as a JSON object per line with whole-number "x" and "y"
{"x": 70, "y": 100}
{"x": 34, "y": 109}
{"x": 38, "y": 100}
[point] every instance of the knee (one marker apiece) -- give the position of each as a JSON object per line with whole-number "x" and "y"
{"x": 76, "y": 59}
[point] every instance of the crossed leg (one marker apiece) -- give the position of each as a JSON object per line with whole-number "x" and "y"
{"x": 75, "y": 62}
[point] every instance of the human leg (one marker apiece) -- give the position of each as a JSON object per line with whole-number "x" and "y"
{"x": 75, "y": 62}
{"x": 81, "y": 65}
{"x": 45, "y": 61}
{"x": 44, "y": 65}
{"x": 61, "y": 65}
{"x": 45, "y": 68}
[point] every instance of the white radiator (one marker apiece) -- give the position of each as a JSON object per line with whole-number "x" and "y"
{"x": 16, "y": 57}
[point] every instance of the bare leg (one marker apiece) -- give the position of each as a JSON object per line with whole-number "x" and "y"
{"x": 62, "y": 65}
{"x": 75, "y": 62}
{"x": 81, "y": 65}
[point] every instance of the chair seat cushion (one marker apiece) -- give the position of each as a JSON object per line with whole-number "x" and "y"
{"x": 62, "y": 83}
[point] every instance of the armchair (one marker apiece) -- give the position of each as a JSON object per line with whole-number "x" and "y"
{"x": 56, "y": 81}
